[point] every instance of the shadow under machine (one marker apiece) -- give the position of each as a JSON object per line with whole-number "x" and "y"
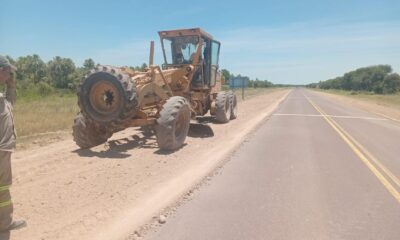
{"x": 164, "y": 98}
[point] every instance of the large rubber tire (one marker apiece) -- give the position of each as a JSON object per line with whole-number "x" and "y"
{"x": 107, "y": 96}
{"x": 223, "y": 108}
{"x": 86, "y": 135}
{"x": 234, "y": 107}
{"x": 173, "y": 124}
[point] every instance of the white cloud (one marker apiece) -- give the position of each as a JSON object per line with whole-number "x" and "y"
{"x": 309, "y": 52}
{"x": 296, "y": 53}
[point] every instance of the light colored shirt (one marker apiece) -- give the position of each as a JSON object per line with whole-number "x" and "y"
{"x": 7, "y": 130}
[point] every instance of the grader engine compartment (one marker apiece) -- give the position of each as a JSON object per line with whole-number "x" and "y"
{"x": 164, "y": 98}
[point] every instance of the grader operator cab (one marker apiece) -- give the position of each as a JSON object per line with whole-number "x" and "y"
{"x": 187, "y": 86}
{"x": 182, "y": 48}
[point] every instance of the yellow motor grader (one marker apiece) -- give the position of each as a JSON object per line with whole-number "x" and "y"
{"x": 164, "y": 98}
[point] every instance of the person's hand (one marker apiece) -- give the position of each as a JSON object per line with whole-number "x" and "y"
{"x": 3, "y": 77}
{"x": 11, "y": 81}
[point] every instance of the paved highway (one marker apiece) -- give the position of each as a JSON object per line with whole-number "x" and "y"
{"x": 315, "y": 170}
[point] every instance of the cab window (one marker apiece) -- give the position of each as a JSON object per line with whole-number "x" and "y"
{"x": 214, "y": 53}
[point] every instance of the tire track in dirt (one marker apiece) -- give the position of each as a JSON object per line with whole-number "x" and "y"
{"x": 65, "y": 193}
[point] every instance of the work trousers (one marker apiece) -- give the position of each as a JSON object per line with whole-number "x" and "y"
{"x": 6, "y": 207}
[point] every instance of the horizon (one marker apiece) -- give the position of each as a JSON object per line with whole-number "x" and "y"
{"x": 285, "y": 43}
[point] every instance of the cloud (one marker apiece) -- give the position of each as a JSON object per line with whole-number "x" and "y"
{"x": 296, "y": 53}
{"x": 309, "y": 52}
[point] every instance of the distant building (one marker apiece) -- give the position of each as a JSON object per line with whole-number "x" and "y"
{"x": 238, "y": 82}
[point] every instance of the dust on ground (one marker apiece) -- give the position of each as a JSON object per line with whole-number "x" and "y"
{"x": 108, "y": 191}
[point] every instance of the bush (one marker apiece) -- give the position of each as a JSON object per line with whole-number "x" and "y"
{"x": 44, "y": 89}
{"x": 378, "y": 79}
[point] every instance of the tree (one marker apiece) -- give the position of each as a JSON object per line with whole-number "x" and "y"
{"x": 373, "y": 78}
{"x": 227, "y": 75}
{"x": 60, "y": 71}
{"x": 259, "y": 83}
{"x": 31, "y": 68}
{"x": 391, "y": 83}
{"x": 88, "y": 64}
{"x": 12, "y": 61}
{"x": 143, "y": 67}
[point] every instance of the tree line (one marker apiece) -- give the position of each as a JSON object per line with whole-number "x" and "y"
{"x": 62, "y": 73}
{"x": 254, "y": 83}
{"x": 379, "y": 79}
{"x": 58, "y": 73}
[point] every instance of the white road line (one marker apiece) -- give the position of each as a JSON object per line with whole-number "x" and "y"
{"x": 386, "y": 116}
{"x": 332, "y": 116}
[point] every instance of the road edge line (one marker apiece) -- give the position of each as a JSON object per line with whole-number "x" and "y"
{"x": 161, "y": 200}
{"x": 386, "y": 183}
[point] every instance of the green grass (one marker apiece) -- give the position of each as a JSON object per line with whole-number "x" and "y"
{"x": 390, "y": 100}
{"x": 35, "y": 114}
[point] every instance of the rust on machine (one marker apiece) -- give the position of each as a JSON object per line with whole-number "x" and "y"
{"x": 185, "y": 32}
{"x": 163, "y": 98}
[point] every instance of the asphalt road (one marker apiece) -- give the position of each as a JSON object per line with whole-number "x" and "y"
{"x": 315, "y": 170}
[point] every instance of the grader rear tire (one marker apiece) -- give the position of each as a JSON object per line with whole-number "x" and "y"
{"x": 86, "y": 135}
{"x": 223, "y": 108}
{"x": 234, "y": 108}
{"x": 173, "y": 124}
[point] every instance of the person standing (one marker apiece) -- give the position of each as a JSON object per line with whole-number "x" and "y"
{"x": 7, "y": 146}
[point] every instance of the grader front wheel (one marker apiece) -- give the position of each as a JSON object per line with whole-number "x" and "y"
{"x": 223, "y": 107}
{"x": 173, "y": 124}
{"x": 233, "y": 102}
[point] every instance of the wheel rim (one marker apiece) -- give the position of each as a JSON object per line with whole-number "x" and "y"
{"x": 105, "y": 97}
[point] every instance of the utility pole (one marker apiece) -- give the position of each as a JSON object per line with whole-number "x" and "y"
{"x": 242, "y": 88}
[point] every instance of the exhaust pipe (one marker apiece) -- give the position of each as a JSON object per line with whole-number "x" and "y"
{"x": 151, "y": 58}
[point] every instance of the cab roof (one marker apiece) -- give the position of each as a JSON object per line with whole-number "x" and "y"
{"x": 185, "y": 32}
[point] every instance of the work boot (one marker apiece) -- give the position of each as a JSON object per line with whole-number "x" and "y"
{"x": 16, "y": 225}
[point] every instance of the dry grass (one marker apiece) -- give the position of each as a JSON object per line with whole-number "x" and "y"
{"x": 389, "y": 100}
{"x": 48, "y": 114}
{"x": 40, "y": 120}
{"x": 56, "y": 113}
{"x": 252, "y": 92}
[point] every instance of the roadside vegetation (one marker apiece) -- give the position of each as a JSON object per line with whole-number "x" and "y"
{"x": 47, "y": 102}
{"x": 54, "y": 114}
{"x": 51, "y": 113}
{"x": 389, "y": 100}
{"x": 378, "y": 79}
{"x": 253, "y": 92}
{"x": 378, "y": 84}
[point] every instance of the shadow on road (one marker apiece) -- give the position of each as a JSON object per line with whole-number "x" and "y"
{"x": 119, "y": 148}
{"x": 167, "y": 152}
{"x": 145, "y": 139}
{"x": 206, "y": 119}
{"x": 199, "y": 130}
{"x": 5, "y": 235}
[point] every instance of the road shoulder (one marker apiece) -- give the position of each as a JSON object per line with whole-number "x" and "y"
{"x": 110, "y": 190}
{"x": 369, "y": 106}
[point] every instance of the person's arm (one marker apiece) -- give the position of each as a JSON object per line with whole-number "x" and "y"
{"x": 11, "y": 92}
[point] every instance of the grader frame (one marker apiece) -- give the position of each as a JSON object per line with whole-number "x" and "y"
{"x": 112, "y": 99}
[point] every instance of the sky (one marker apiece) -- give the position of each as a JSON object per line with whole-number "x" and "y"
{"x": 287, "y": 41}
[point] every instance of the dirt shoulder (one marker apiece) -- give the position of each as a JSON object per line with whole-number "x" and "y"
{"x": 368, "y": 104}
{"x": 110, "y": 190}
